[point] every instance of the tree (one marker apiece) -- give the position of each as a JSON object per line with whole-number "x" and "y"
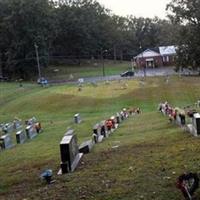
{"x": 23, "y": 23}
{"x": 187, "y": 14}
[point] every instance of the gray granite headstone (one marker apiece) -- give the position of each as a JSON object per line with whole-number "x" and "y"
{"x": 191, "y": 129}
{"x": 77, "y": 118}
{"x": 8, "y": 128}
{"x": 17, "y": 124}
{"x": 6, "y": 141}
{"x": 69, "y": 132}
{"x": 103, "y": 128}
{"x": 31, "y": 121}
{"x": 97, "y": 133}
{"x": 118, "y": 117}
{"x": 178, "y": 120}
{"x": 196, "y": 123}
{"x": 31, "y": 131}
{"x": 69, "y": 152}
{"x": 21, "y": 137}
{"x": 122, "y": 115}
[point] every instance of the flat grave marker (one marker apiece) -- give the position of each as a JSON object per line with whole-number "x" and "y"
{"x": 86, "y": 147}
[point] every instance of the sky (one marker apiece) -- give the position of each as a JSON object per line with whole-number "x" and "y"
{"x": 138, "y": 8}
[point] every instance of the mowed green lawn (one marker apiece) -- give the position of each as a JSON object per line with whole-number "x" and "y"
{"x": 87, "y": 69}
{"x": 151, "y": 154}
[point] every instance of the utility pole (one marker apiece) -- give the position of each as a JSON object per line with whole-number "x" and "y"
{"x": 142, "y": 63}
{"x": 102, "y": 60}
{"x": 38, "y": 60}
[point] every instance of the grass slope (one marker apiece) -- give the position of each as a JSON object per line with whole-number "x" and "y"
{"x": 151, "y": 153}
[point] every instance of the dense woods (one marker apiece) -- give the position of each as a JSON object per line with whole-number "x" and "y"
{"x": 187, "y": 15}
{"x": 78, "y": 29}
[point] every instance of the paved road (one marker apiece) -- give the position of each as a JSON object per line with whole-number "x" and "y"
{"x": 149, "y": 73}
{"x": 164, "y": 71}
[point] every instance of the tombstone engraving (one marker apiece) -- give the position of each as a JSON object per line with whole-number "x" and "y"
{"x": 21, "y": 137}
{"x": 77, "y": 118}
{"x": 86, "y": 147}
{"x": 31, "y": 131}
{"x": 6, "y": 142}
{"x": 196, "y": 123}
{"x": 69, "y": 152}
{"x": 97, "y": 133}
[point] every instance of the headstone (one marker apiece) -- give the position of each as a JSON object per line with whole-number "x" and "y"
{"x": 190, "y": 128}
{"x": 17, "y": 124}
{"x": 125, "y": 113}
{"x": 69, "y": 132}
{"x": 21, "y": 137}
{"x": 6, "y": 142}
{"x": 180, "y": 119}
{"x": 122, "y": 115}
{"x": 77, "y": 118}
{"x": 97, "y": 133}
{"x": 31, "y": 121}
{"x": 31, "y": 131}
{"x": 86, "y": 147}
{"x": 104, "y": 130}
{"x": 118, "y": 118}
{"x": 69, "y": 152}
{"x": 8, "y": 128}
{"x": 114, "y": 121}
{"x": 198, "y": 103}
{"x": 196, "y": 123}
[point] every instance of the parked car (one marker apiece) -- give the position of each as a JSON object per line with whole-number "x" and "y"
{"x": 42, "y": 81}
{"x": 127, "y": 73}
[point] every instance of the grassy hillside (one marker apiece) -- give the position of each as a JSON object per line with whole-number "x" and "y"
{"x": 151, "y": 153}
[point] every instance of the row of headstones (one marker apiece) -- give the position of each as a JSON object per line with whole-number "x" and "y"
{"x": 71, "y": 153}
{"x": 31, "y": 131}
{"x": 11, "y": 126}
{"x": 178, "y": 116}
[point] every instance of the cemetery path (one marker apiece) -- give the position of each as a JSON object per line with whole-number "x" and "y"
{"x": 163, "y": 71}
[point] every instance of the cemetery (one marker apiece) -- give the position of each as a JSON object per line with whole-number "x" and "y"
{"x": 16, "y": 132}
{"x": 187, "y": 118}
{"x": 103, "y": 141}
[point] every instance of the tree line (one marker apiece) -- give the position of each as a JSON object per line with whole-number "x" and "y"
{"x": 78, "y": 29}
